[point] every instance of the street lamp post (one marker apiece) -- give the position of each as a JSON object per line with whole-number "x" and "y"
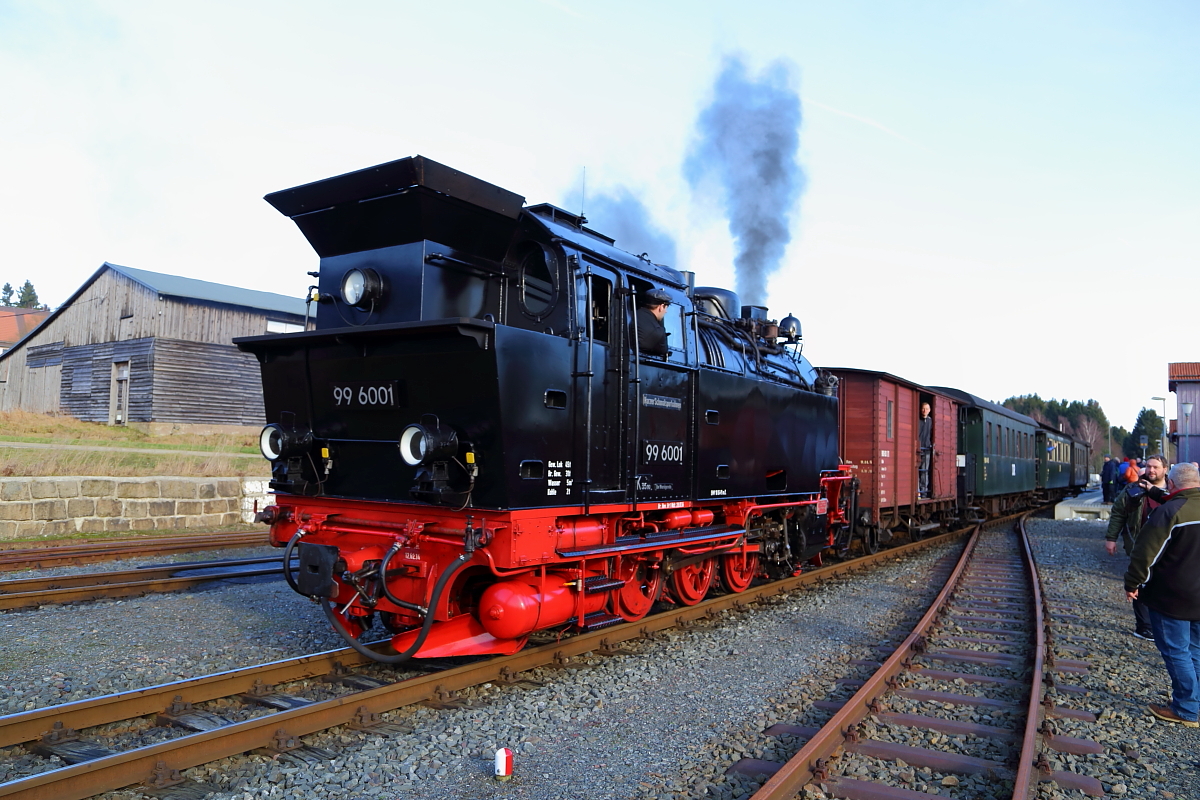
{"x": 1162, "y": 440}
{"x": 1187, "y": 415}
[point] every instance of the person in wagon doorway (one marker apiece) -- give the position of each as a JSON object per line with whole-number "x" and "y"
{"x": 924, "y": 449}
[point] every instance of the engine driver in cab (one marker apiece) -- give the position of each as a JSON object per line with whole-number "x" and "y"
{"x": 652, "y": 334}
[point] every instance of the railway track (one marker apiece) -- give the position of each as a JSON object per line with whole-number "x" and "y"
{"x": 982, "y": 649}
{"x": 33, "y": 592}
{"x": 203, "y": 736}
{"x": 53, "y": 553}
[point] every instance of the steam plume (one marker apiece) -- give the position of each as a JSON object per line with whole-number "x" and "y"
{"x": 747, "y": 142}
{"x": 621, "y": 216}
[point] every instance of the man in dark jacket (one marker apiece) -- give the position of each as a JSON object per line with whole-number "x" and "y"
{"x": 1130, "y": 510}
{"x": 1162, "y": 574}
{"x": 1108, "y": 477}
{"x": 651, "y": 333}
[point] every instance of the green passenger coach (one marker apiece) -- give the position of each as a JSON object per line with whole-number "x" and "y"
{"x": 1056, "y": 470}
{"x": 998, "y": 455}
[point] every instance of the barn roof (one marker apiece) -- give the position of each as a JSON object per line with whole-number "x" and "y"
{"x": 193, "y": 289}
{"x": 183, "y": 288}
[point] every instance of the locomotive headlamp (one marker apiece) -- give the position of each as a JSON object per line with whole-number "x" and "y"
{"x": 427, "y": 441}
{"x": 277, "y": 441}
{"x": 361, "y": 287}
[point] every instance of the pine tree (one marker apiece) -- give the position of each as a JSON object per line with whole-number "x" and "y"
{"x": 1148, "y": 424}
{"x": 6, "y": 294}
{"x": 28, "y": 297}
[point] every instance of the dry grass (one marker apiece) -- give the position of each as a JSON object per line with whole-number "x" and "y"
{"x": 45, "y": 462}
{"x": 23, "y": 426}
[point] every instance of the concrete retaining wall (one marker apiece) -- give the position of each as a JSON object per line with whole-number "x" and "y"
{"x": 32, "y": 507}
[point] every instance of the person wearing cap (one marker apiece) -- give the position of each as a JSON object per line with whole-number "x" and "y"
{"x": 652, "y": 334}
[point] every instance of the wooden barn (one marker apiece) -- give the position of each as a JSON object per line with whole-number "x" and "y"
{"x": 132, "y": 346}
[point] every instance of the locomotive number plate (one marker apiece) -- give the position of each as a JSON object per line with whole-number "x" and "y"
{"x": 368, "y": 394}
{"x": 662, "y": 452}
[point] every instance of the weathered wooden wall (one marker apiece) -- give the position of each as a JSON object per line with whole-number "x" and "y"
{"x": 182, "y": 365}
{"x": 199, "y": 382}
{"x": 88, "y": 374}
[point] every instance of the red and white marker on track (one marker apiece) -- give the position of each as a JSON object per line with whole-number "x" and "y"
{"x": 504, "y": 758}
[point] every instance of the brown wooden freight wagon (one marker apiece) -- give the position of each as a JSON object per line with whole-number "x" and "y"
{"x": 878, "y": 430}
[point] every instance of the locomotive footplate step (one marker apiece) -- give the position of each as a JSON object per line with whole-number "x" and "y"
{"x": 601, "y": 619}
{"x": 601, "y": 583}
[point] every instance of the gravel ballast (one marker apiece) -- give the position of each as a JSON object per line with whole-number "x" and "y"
{"x": 666, "y": 721}
{"x": 1143, "y": 756}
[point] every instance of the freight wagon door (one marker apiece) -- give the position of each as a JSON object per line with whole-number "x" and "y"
{"x": 660, "y": 402}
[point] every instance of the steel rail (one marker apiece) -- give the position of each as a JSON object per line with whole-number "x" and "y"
{"x": 149, "y": 572}
{"x": 791, "y": 778}
{"x": 124, "y": 769}
{"x": 806, "y": 766}
{"x": 13, "y": 597}
{"x": 1027, "y": 778}
{"x": 38, "y": 555}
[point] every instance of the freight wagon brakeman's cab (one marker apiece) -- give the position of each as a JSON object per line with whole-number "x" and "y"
{"x": 471, "y": 436}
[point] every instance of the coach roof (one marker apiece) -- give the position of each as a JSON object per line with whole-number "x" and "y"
{"x": 978, "y": 402}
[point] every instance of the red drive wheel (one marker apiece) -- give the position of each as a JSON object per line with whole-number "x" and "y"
{"x": 738, "y": 570}
{"x": 690, "y": 583}
{"x": 643, "y": 585}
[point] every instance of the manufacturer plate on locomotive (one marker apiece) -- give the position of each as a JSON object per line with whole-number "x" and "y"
{"x": 659, "y": 401}
{"x": 369, "y": 394}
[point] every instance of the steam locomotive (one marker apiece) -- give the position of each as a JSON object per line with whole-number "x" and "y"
{"x": 469, "y": 446}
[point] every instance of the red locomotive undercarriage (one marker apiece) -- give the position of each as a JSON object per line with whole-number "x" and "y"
{"x": 481, "y": 582}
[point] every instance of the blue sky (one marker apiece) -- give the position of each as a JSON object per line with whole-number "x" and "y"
{"x": 1001, "y": 196}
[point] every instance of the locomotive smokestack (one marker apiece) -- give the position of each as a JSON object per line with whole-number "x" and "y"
{"x": 747, "y": 143}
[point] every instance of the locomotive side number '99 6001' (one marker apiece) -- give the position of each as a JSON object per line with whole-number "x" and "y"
{"x": 368, "y": 394}
{"x": 662, "y": 452}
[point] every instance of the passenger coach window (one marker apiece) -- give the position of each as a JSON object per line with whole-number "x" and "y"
{"x": 987, "y": 448}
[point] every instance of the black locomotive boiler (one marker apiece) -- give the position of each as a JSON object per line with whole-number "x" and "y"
{"x": 470, "y": 447}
